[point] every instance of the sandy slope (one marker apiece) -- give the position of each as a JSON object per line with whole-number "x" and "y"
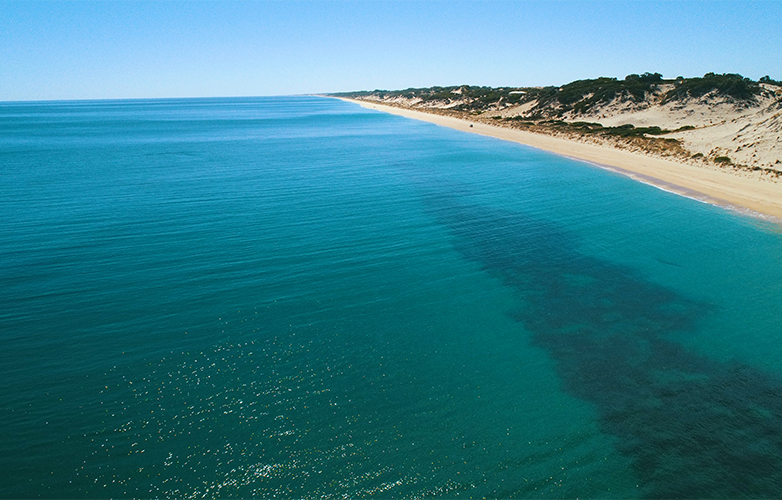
{"x": 709, "y": 185}
{"x": 749, "y": 134}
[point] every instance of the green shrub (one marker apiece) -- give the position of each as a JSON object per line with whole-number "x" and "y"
{"x": 582, "y": 95}
{"x": 587, "y": 125}
{"x": 727, "y": 84}
{"x": 645, "y": 78}
{"x": 629, "y": 130}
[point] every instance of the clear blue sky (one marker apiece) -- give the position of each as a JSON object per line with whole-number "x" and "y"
{"x": 115, "y": 49}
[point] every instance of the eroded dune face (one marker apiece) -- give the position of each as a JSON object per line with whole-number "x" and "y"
{"x": 748, "y": 133}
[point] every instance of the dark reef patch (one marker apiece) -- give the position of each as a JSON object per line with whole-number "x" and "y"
{"x": 693, "y": 427}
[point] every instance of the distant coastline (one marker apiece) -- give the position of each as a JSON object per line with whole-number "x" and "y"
{"x": 752, "y": 190}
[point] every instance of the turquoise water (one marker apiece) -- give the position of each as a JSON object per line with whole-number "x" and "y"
{"x": 300, "y": 298}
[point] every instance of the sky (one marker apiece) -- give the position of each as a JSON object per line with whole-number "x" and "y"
{"x": 110, "y": 49}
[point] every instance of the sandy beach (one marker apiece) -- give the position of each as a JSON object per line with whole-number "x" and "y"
{"x": 753, "y": 196}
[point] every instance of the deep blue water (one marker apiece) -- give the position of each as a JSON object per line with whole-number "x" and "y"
{"x": 299, "y": 298}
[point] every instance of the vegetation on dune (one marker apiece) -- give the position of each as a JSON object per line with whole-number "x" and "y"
{"x": 727, "y": 84}
{"x": 580, "y": 96}
{"x": 471, "y": 97}
{"x": 587, "y": 128}
{"x": 722, "y": 159}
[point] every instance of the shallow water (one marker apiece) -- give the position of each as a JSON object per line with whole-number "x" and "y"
{"x": 298, "y": 297}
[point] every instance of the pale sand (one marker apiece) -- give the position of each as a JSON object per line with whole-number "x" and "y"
{"x": 711, "y": 186}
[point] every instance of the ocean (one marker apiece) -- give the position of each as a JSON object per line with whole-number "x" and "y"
{"x": 295, "y": 297}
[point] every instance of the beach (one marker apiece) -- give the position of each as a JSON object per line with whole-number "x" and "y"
{"x": 751, "y": 195}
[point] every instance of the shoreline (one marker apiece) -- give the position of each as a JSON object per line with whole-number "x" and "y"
{"x": 747, "y": 196}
